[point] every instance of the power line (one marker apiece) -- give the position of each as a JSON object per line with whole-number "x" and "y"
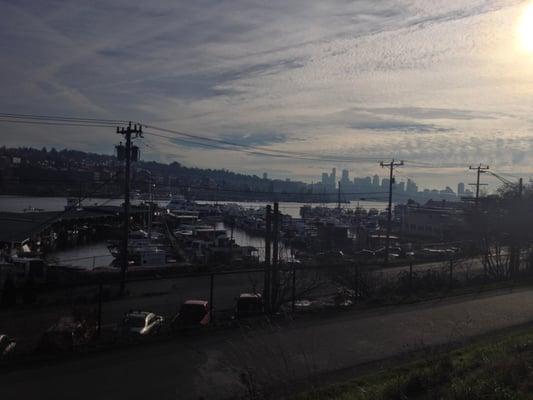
{"x": 215, "y": 143}
{"x": 200, "y": 140}
{"x": 257, "y": 148}
{"x": 272, "y": 153}
{"x": 60, "y": 118}
{"x": 58, "y": 123}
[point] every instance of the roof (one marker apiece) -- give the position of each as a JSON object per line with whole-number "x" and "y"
{"x": 250, "y": 295}
{"x": 133, "y": 313}
{"x": 18, "y": 227}
{"x": 196, "y": 302}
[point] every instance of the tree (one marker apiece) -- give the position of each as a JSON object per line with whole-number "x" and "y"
{"x": 501, "y": 223}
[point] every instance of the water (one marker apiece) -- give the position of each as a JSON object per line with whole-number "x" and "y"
{"x": 97, "y": 255}
{"x": 20, "y": 203}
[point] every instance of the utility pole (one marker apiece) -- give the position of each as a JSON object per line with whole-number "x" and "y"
{"x": 127, "y": 132}
{"x": 480, "y": 170}
{"x": 267, "y": 280}
{"x": 275, "y": 257}
{"x": 391, "y": 165}
{"x": 515, "y": 248}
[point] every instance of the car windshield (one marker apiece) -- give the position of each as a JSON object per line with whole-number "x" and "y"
{"x": 135, "y": 321}
{"x": 192, "y": 312}
{"x": 249, "y": 304}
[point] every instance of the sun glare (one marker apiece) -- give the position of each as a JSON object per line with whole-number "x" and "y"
{"x": 525, "y": 29}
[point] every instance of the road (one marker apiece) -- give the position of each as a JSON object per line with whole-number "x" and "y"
{"x": 209, "y": 366}
{"x": 164, "y": 297}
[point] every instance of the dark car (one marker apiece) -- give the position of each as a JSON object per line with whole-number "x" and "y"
{"x": 248, "y": 305}
{"x": 193, "y": 313}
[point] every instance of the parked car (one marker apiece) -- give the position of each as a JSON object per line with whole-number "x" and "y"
{"x": 248, "y": 305}
{"x": 67, "y": 334}
{"x": 7, "y": 346}
{"x": 141, "y": 323}
{"x": 193, "y": 313}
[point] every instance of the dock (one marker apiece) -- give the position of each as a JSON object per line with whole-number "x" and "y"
{"x": 47, "y": 227}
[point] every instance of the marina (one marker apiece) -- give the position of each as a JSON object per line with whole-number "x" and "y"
{"x": 90, "y": 253}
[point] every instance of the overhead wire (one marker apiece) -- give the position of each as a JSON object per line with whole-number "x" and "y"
{"x": 271, "y": 153}
{"x": 58, "y": 123}
{"x": 61, "y": 118}
{"x": 201, "y": 140}
{"x": 257, "y": 148}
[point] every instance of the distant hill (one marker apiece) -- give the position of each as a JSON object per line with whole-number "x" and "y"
{"x": 70, "y": 172}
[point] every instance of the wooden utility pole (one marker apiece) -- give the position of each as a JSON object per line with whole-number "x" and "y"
{"x": 515, "y": 249}
{"x": 391, "y": 165}
{"x": 480, "y": 170}
{"x": 275, "y": 257}
{"x": 127, "y": 132}
{"x": 267, "y": 277}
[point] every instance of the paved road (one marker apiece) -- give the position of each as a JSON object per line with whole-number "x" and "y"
{"x": 164, "y": 297}
{"x": 210, "y": 366}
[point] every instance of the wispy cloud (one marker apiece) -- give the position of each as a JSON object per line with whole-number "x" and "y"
{"x": 427, "y": 79}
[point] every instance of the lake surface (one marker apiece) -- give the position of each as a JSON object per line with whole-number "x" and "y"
{"x": 97, "y": 254}
{"x": 21, "y": 203}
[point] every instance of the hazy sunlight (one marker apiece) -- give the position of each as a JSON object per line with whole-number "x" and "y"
{"x": 525, "y": 29}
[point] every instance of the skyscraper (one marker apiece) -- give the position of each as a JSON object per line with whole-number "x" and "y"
{"x": 460, "y": 189}
{"x": 325, "y": 179}
{"x": 411, "y": 187}
{"x": 345, "y": 179}
{"x": 333, "y": 179}
{"x": 375, "y": 180}
{"x": 401, "y": 186}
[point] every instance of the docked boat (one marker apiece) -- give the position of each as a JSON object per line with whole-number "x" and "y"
{"x": 207, "y": 244}
{"x": 144, "y": 249}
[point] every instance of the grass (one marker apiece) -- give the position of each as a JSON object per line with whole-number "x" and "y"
{"x": 492, "y": 369}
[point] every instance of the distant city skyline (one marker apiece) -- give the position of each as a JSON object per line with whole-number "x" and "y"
{"x": 329, "y": 183}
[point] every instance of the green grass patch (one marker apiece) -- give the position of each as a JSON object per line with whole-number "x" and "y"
{"x": 492, "y": 369}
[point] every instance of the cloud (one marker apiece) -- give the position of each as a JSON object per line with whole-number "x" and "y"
{"x": 256, "y": 139}
{"x": 398, "y": 126}
{"x": 431, "y": 80}
{"x": 431, "y": 113}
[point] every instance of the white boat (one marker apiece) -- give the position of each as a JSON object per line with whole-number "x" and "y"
{"x": 148, "y": 256}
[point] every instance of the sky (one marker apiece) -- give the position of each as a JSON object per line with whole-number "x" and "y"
{"x": 442, "y": 84}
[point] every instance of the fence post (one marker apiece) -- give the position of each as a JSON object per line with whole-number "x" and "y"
{"x": 485, "y": 271}
{"x": 100, "y": 295}
{"x": 211, "y": 289}
{"x": 293, "y": 287}
{"x": 451, "y": 272}
{"x": 410, "y": 277}
{"x": 356, "y": 280}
